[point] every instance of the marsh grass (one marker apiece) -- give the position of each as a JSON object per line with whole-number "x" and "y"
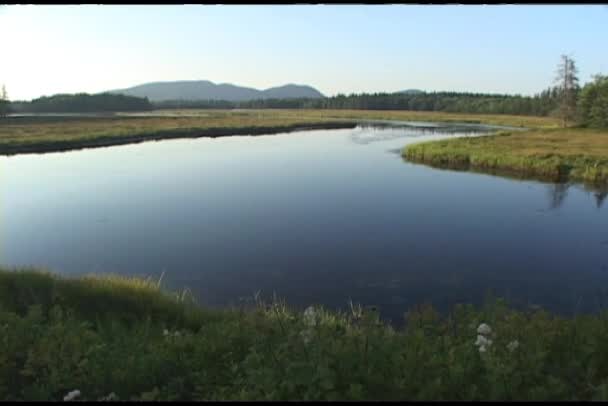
{"x": 107, "y": 334}
{"x": 557, "y": 155}
{"x": 52, "y": 133}
{"x": 46, "y": 134}
{"x": 429, "y": 116}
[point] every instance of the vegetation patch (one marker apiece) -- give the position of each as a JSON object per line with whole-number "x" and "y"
{"x": 47, "y": 134}
{"x": 114, "y": 338}
{"x": 551, "y": 154}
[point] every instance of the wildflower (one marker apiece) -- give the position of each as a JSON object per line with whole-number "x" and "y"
{"x": 176, "y": 334}
{"x": 71, "y": 395}
{"x": 310, "y": 316}
{"x": 306, "y": 336}
{"x": 484, "y": 329}
{"x": 110, "y": 397}
{"x": 512, "y": 346}
{"x": 165, "y": 332}
{"x": 482, "y": 341}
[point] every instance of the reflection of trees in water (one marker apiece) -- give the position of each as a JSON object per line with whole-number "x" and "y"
{"x": 366, "y": 133}
{"x": 557, "y": 194}
{"x": 600, "y": 196}
{"x": 426, "y": 129}
{"x": 558, "y": 191}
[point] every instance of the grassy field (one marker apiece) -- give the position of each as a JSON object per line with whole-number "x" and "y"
{"x": 41, "y": 134}
{"x": 126, "y": 339}
{"x": 548, "y": 154}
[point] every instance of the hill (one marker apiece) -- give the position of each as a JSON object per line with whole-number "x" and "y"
{"x": 206, "y": 90}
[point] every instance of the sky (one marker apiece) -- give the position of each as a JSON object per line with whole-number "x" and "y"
{"x": 512, "y": 49}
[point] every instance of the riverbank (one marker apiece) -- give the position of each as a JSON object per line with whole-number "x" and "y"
{"x": 571, "y": 154}
{"x": 54, "y": 133}
{"x": 127, "y": 339}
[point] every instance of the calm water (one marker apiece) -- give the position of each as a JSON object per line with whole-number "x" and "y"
{"x": 315, "y": 217}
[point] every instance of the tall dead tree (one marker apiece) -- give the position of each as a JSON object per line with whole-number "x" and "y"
{"x": 4, "y": 109}
{"x": 567, "y": 83}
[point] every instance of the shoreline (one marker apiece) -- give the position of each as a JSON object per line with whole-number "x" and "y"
{"x": 541, "y": 155}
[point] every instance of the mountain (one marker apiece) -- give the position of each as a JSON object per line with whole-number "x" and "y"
{"x": 206, "y": 90}
{"x": 411, "y": 91}
{"x": 291, "y": 91}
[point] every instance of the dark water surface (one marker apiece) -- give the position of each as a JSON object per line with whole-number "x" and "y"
{"x": 314, "y": 216}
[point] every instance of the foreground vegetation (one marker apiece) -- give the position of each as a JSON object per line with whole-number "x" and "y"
{"x": 557, "y": 155}
{"x": 125, "y": 339}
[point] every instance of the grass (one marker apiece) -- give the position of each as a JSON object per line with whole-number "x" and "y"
{"x": 45, "y": 134}
{"x": 103, "y": 335}
{"x": 430, "y": 116}
{"x": 575, "y": 154}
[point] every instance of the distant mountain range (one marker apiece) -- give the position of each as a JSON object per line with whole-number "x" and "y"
{"x": 206, "y": 90}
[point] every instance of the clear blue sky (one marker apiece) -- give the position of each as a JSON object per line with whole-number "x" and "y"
{"x": 337, "y": 49}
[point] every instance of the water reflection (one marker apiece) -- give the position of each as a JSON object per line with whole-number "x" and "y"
{"x": 600, "y": 197}
{"x": 557, "y": 194}
{"x": 372, "y": 132}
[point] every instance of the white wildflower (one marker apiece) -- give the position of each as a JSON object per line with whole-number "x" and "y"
{"x": 165, "y": 332}
{"x": 306, "y": 336}
{"x": 177, "y": 334}
{"x": 512, "y": 346}
{"x": 110, "y": 397}
{"x": 482, "y": 349}
{"x": 310, "y": 316}
{"x": 482, "y": 341}
{"x": 71, "y": 395}
{"x": 484, "y": 329}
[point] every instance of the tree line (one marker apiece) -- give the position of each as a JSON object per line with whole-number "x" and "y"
{"x": 82, "y": 103}
{"x": 452, "y": 102}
